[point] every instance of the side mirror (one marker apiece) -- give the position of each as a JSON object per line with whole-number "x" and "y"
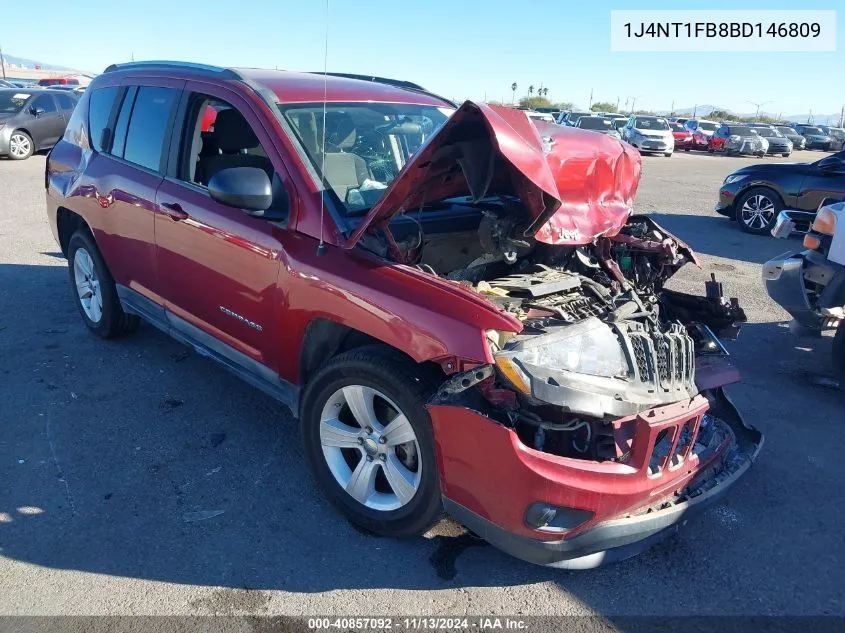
{"x": 37, "y": 111}
{"x": 246, "y": 188}
{"x": 829, "y": 164}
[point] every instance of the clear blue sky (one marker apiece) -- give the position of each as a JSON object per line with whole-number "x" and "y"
{"x": 459, "y": 48}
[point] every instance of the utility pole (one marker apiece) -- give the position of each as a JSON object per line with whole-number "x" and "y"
{"x": 672, "y": 113}
{"x": 810, "y": 117}
{"x": 633, "y": 104}
{"x": 617, "y": 104}
{"x": 589, "y": 107}
{"x": 842, "y": 117}
{"x": 694, "y": 110}
{"x": 2, "y": 62}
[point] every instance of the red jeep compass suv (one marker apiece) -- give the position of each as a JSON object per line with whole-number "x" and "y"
{"x": 456, "y": 303}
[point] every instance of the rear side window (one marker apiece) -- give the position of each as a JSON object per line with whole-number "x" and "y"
{"x": 148, "y": 126}
{"x": 99, "y": 110}
{"x": 121, "y": 126}
{"x": 65, "y": 102}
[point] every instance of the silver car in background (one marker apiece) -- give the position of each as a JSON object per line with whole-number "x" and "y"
{"x": 649, "y": 134}
{"x": 598, "y": 124}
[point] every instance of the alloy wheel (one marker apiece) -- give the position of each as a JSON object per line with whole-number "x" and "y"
{"x": 87, "y": 285}
{"x": 370, "y": 448}
{"x": 757, "y": 212}
{"x": 20, "y": 146}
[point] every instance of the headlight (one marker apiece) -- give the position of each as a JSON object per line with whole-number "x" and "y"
{"x": 734, "y": 178}
{"x": 589, "y": 347}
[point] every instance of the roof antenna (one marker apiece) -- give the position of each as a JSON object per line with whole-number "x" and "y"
{"x": 321, "y": 247}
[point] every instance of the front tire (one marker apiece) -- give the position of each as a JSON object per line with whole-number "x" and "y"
{"x": 369, "y": 441}
{"x": 94, "y": 290}
{"x": 21, "y": 145}
{"x": 667, "y": 154}
{"x": 757, "y": 210}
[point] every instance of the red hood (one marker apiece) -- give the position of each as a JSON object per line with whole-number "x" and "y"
{"x": 574, "y": 185}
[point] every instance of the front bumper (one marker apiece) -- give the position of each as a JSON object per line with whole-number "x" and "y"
{"x": 653, "y": 145}
{"x": 817, "y": 144}
{"x": 779, "y": 149}
{"x": 728, "y": 193}
{"x": 489, "y": 479}
{"x": 784, "y": 277}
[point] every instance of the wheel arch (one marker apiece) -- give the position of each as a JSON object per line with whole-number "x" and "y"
{"x": 67, "y": 223}
{"x": 25, "y": 130}
{"x": 325, "y": 338}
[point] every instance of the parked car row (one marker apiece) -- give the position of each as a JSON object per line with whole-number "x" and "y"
{"x": 756, "y": 139}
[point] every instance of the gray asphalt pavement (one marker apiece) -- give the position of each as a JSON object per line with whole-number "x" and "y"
{"x": 107, "y": 447}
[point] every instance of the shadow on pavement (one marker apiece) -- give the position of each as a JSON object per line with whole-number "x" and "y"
{"x": 114, "y": 452}
{"x": 719, "y": 236}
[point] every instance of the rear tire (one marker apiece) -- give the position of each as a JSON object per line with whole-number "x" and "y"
{"x": 786, "y": 155}
{"x": 21, "y": 145}
{"x": 346, "y": 415}
{"x": 757, "y": 210}
{"x": 94, "y": 290}
{"x": 667, "y": 154}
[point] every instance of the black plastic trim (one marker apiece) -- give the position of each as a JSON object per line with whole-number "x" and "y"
{"x": 246, "y": 368}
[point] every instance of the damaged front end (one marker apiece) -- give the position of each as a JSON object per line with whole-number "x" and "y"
{"x": 601, "y": 421}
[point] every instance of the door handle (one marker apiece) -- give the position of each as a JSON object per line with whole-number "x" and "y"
{"x": 174, "y": 211}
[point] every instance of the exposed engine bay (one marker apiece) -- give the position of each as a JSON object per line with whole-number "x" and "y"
{"x": 602, "y": 338}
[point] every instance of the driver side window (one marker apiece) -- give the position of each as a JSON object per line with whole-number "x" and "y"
{"x": 217, "y": 136}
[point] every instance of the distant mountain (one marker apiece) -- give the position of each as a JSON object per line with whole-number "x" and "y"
{"x": 31, "y": 63}
{"x": 705, "y": 110}
{"x": 818, "y": 119}
{"x": 699, "y": 111}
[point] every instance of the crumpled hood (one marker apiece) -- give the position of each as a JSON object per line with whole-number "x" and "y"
{"x": 574, "y": 185}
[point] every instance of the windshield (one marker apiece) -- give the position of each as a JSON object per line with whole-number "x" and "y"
{"x": 12, "y": 101}
{"x": 643, "y": 123}
{"x": 767, "y": 132}
{"x": 677, "y": 127}
{"x": 594, "y": 123}
{"x": 705, "y": 125}
{"x": 367, "y": 144}
{"x": 574, "y": 116}
{"x": 787, "y": 131}
{"x": 740, "y": 131}
{"x": 811, "y": 130}
{"x": 620, "y": 123}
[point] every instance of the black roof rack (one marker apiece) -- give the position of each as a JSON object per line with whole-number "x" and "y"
{"x": 169, "y": 65}
{"x": 396, "y": 83}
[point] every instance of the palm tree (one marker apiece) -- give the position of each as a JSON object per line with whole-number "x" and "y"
{"x": 545, "y": 92}
{"x": 530, "y": 90}
{"x": 513, "y": 90}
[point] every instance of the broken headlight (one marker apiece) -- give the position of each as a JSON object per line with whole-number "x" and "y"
{"x": 589, "y": 347}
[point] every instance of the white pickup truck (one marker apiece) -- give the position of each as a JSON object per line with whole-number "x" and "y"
{"x": 810, "y": 285}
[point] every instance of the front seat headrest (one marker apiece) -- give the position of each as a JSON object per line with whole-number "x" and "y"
{"x": 344, "y": 134}
{"x": 232, "y": 132}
